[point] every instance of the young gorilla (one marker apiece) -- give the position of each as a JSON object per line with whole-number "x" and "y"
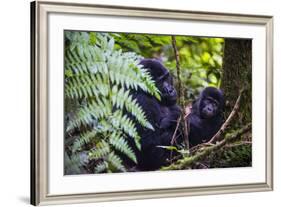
{"x": 162, "y": 115}
{"x": 206, "y": 116}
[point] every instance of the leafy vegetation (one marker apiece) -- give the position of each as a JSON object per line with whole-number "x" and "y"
{"x": 98, "y": 81}
{"x": 200, "y": 58}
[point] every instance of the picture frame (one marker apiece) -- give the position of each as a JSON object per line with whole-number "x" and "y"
{"x": 43, "y": 191}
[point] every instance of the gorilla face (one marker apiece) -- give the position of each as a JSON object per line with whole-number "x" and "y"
{"x": 168, "y": 92}
{"x": 211, "y": 103}
{"x": 163, "y": 79}
{"x": 209, "y": 108}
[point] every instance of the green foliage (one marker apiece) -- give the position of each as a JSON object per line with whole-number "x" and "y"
{"x": 98, "y": 82}
{"x": 200, "y": 57}
{"x": 120, "y": 144}
{"x": 73, "y": 163}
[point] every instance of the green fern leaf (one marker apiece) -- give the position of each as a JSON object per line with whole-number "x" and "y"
{"x": 116, "y": 162}
{"x": 119, "y": 143}
{"x": 100, "y": 80}
{"x": 100, "y": 151}
{"x": 101, "y": 167}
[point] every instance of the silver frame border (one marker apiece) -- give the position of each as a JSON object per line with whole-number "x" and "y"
{"x": 39, "y": 99}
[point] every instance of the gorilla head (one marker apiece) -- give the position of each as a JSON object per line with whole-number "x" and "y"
{"x": 211, "y": 103}
{"x": 163, "y": 80}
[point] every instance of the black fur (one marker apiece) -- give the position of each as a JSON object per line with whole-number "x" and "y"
{"x": 206, "y": 116}
{"x": 162, "y": 115}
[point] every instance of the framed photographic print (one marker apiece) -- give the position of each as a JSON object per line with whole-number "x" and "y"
{"x": 134, "y": 103}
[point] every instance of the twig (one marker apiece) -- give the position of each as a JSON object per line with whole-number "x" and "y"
{"x": 186, "y": 162}
{"x": 181, "y": 98}
{"x": 187, "y": 112}
{"x": 175, "y": 132}
{"x": 177, "y": 66}
{"x": 173, "y": 140}
{"x": 226, "y": 123}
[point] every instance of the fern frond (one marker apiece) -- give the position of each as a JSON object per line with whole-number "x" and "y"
{"x": 125, "y": 124}
{"x": 123, "y": 98}
{"x": 101, "y": 150}
{"x": 72, "y": 164}
{"x": 90, "y": 113}
{"x": 119, "y": 143}
{"x": 120, "y": 121}
{"x": 116, "y": 162}
{"x": 149, "y": 84}
{"x": 101, "y": 167}
{"x": 83, "y": 139}
{"x": 100, "y": 80}
{"x": 85, "y": 86}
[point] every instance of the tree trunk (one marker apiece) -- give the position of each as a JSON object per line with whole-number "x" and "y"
{"x": 237, "y": 75}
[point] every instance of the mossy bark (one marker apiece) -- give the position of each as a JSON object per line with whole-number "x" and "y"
{"x": 237, "y": 75}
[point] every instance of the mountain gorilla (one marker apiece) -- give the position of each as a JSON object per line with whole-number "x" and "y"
{"x": 162, "y": 115}
{"x": 206, "y": 116}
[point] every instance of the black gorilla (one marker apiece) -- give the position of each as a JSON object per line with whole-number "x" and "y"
{"x": 206, "y": 116}
{"x": 162, "y": 115}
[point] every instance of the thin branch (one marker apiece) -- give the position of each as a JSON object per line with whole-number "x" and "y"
{"x": 230, "y": 117}
{"x": 174, "y": 138}
{"x": 175, "y": 132}
{"x": 186, "y": 162}
{"x": 181, "y": 98}
{"x": 174, "y": 43}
